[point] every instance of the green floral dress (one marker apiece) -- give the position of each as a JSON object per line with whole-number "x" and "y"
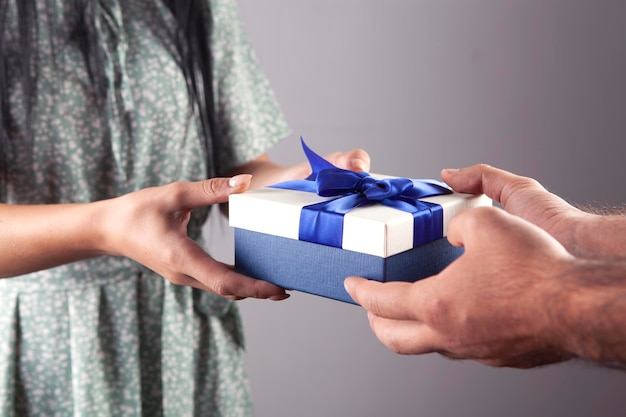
{"x": 106, "y": 336}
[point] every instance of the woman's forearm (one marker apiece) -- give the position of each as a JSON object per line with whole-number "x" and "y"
{"x": 35, "y": 237}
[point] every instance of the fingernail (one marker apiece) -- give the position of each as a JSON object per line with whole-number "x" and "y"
{"x": 279, "y": 297}
{"x": 450, "y": 170}
{"x": 346, "y": 285}
{"x": 358, "y": 164}
{"x": 239, "y": 180}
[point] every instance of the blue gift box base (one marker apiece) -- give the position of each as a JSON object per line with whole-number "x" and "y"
{"x": 321, "y": 270}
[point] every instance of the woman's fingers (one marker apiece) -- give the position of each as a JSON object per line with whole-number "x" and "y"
{"x": 355, "y": 160}
{"x": 196, "y": 265}
{"x": 191, "y": 195}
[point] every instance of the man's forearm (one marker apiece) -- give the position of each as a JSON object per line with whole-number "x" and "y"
{"x": 602, "y": 237}
{"x": 594, "y": 312}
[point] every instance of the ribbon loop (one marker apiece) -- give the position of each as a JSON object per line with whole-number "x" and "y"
{"x": 378, "y": 190}
{"x": 336, "y": 181}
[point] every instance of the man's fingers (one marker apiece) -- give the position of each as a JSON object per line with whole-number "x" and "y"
{"x": 393, "y": 312}
{"x": 392, "y": 300}
{"x": 464, "y": 225}
{"x": 473, "y": 227}
{"x": 193, "y": 195}
{"x": 478, "y": 224}
{"x": 496, "y": 183}
{"x": 404, "y": 336}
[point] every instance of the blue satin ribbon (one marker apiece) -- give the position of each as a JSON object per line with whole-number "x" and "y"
{"x": 323, "y": 222}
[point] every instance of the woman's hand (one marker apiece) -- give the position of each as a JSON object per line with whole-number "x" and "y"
{"x": 150, "y": 226}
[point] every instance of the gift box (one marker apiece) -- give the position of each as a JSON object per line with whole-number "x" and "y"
{"x": 310, "y": 235}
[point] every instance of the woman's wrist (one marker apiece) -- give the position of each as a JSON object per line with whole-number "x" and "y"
{"x": 97, "y": 227}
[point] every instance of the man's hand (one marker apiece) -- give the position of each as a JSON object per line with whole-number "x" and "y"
{"x": 495, "y": 304}
{"x": 583, "y": 234}
{"x": 539, "y": 282}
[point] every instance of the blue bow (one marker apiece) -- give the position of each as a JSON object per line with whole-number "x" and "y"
{"x": 323, "y": 222}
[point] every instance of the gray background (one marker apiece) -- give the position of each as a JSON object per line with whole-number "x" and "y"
{"x": 536, "y": 87}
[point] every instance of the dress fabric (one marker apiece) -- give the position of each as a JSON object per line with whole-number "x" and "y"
{"x": 106, "y": 336}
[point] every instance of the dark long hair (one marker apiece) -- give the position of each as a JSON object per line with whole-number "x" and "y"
{"x": 191, "y": 40}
